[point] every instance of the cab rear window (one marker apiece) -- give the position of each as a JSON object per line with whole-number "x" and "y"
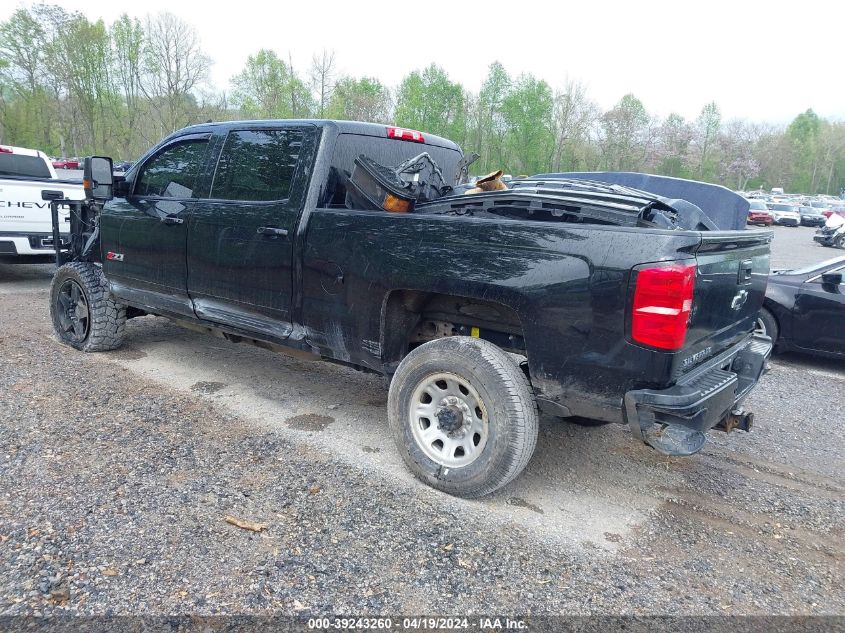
{"x": 23, "y": 166}
{"x": 387, "y": 151}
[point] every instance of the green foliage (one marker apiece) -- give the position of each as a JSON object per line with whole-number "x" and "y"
{"x": 527, "y": 111}
{"x": 365, "y": 99}
{"x": 624, "y": 134}
{"x": 71, "y": 86}
{"x": 804, "y": 147}
{"x": 490, "y": 129}
{"x": 429, "y": 101}
{"x": 707, "y": 127}
{"x": 268, "y": 89}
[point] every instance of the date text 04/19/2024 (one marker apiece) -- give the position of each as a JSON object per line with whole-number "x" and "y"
{"x": 418, "y": 623}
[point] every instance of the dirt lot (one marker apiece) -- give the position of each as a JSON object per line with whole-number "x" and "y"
{"x": 117, "y": 470}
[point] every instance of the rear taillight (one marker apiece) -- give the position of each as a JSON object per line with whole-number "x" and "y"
{"x": 405, "y": 135}
{"x": 662, "y": 303}
{"x": 6, "y": 150}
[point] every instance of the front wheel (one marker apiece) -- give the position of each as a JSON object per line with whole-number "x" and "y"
{"x": 463, "y": 415}
{"x": 84, "y": 313}
{"x": 767, "y": 325}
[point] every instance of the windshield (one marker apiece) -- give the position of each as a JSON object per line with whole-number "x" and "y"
{"x": 782, "y": 207}
{"x": 758, "y": 205}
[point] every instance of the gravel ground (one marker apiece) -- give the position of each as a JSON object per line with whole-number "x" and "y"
{"x": 117, "y": 472}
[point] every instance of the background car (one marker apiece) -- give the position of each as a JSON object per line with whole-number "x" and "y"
{"x": 758, "y": 213}
{"x": 804, "y": 309}
{"x": 65, "y": 163}
{"x": 811, "y": 216}
{"x": 836, "y": 209}
{"x": 785, "y": 214}
{"x": 123, "y": 165}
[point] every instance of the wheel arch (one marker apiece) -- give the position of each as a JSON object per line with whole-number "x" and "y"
{"x": 781, "y": 317}
{"x": 404, "y": 311}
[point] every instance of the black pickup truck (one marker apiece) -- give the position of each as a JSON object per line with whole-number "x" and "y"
{"x": 585, "y": 300}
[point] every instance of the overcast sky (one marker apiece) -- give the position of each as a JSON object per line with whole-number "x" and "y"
{"x": 762, "y": 61}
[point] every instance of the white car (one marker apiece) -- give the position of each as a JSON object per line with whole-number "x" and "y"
{"x": 26, "y": 225}
{"x": 785, "y": 214}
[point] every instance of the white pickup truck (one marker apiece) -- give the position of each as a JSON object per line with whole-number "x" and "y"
{"x": 26, "y": 228}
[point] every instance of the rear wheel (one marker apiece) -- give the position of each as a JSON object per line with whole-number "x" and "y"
{"x": 463, "y": 415}
{"x": 84, "y": 314}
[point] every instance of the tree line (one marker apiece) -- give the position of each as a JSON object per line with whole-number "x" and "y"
{"x": 70, "y": 86}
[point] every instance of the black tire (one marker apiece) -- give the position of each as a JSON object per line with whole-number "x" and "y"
{"x": 767, "y": 324}
{"x": 507, "y": 413}
{"x": 84, "y": 313}
{"x": 840, "y": 242}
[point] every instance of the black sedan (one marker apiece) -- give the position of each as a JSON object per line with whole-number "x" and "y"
{"x": 804, "y": 309}
{"x": 811, "y": 216}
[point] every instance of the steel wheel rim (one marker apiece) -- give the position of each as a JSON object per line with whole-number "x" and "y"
{"x": 760, "y": 327}
{"x": 449, "y": 420}
{"x": 72, "y": 310}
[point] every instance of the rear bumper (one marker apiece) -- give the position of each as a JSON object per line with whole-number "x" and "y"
{"x": 29, "y": 244}
{"x": 706, "y": 396}
{"x": 787, "y": 221}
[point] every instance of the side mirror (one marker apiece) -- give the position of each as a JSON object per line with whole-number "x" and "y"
{"x": 98, "y": 178}
{"x": 834, "y": 279}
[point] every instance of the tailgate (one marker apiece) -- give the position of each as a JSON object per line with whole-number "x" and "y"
{"x": 730, "y": 284}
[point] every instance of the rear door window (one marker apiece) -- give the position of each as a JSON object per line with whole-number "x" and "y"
{"x": 172, "y": 173}
{"x": 257, "y": 165}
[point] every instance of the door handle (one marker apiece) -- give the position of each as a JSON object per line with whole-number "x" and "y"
{"x": 271, "y": 230}
{"x": 172, "y": 219}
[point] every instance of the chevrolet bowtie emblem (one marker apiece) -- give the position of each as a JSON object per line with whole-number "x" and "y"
{"x": 739, "y": 300}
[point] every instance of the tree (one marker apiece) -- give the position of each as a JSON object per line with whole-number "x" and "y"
{"x": 528, "y": 115}
{"x": 625, "y": 135}
{"x": 22, "y": 70}
{"x": 672, "y": 156}
{"x": 80, "y": 56}
{"x": 321, "y": 76}
{"x": 736, "y": 154}
{"x": 430, "y": 102}
{"x": 573, "y": 117}
{"x": 490, "y": 129}
{"x": 705, "y": 138}
{"x": 268, "y": 89}
{"x": 803, "y": 137}
{"x": 364, "y": 99}
{"x": 127, "y": 38}
{"x": 174, "y": 66}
